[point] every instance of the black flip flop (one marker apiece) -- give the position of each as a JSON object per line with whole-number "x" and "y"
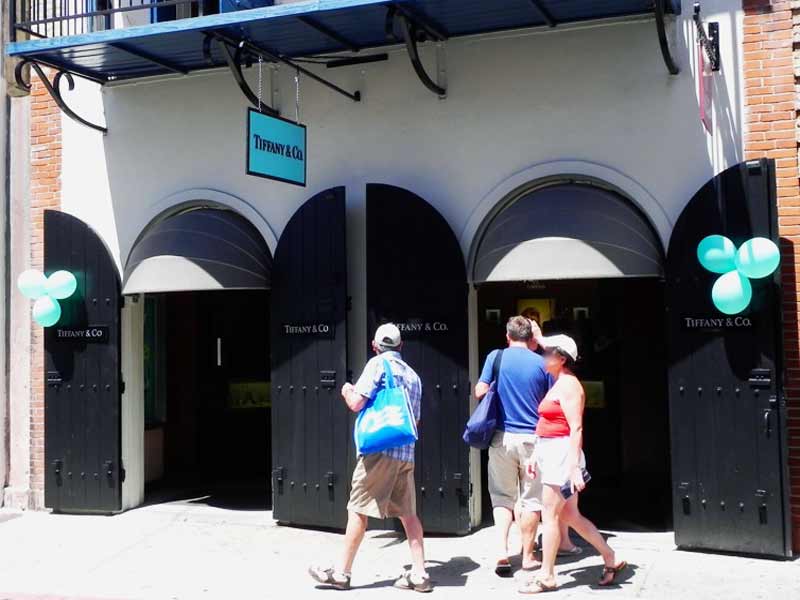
{"x": 503, "y": 568}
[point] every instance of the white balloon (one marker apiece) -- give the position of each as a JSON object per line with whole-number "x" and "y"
{"x": 32, "y": 284}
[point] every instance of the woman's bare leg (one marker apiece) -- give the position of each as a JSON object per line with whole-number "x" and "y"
{"x": 587, "y": 530}
{"x": 551, "y": 533}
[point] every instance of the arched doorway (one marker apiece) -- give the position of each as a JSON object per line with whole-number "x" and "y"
{"x": 202, "y": 276}
{"x": 582, "y": 259}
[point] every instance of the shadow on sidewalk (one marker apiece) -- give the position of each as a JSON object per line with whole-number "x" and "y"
{"x": 452, "y": 573}
{"x": 590, "y": 575}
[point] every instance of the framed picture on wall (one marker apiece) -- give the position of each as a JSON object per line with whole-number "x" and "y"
{"x": 492, "y": 315}
{"x": 540, "y": 310}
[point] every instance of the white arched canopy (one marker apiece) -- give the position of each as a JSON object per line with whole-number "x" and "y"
{"x": 198, "y": 248}
{"x": 567, "y": 231}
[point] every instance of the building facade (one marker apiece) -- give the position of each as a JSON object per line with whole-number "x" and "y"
{"x": 548, "y": 164}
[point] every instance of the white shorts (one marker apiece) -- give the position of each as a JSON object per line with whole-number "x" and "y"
{"x": 551, "y": 456}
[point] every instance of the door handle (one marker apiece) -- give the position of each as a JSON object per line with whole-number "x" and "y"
{"x": 219, "y": 351}
{"x": 767, "y": 423}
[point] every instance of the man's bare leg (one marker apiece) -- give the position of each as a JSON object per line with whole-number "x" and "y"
{"x": 502, "y": 522}
{"x": 416, "y": 544}
{"x": 529, "y": 522}
{"x": 353, "y": 535}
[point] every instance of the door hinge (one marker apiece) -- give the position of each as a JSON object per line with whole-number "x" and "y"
{"x": 121, "y": 386}
{"x": 122, "y": 471}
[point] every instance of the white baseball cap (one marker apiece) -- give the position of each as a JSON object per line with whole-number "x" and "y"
{"x": 561, "y": 342}
{"x": 388, "y": 336}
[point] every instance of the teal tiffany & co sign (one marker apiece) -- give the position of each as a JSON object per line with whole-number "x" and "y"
{"x": 276, "y": 148}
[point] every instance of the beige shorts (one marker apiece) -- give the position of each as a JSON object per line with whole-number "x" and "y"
{"x": 383, "y": 487}
{"x": 509, "y": 477}
{"x": 551, "y": 460}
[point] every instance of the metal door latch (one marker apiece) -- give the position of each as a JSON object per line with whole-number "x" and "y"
{"x": 327, "y": 379}
{"x": 760, "y": 378}
{"x": 330, "y": 476}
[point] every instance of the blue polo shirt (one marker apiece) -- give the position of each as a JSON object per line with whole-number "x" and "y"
{"x": 523, "y": 383}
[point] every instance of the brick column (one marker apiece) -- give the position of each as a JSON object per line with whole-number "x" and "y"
{"x": 45, "y": 193}
{"x": 771, "y": 121}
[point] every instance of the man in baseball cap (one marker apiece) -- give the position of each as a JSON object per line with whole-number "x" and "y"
{"x": 383, "y": 483}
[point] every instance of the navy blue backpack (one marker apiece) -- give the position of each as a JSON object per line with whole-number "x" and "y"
{"x": 483, "y": 422}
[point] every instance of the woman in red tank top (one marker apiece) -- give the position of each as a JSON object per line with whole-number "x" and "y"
{"x": 559, "y": 463}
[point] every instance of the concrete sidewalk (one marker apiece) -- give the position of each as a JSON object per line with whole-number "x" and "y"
{"x": 193, "y": 551}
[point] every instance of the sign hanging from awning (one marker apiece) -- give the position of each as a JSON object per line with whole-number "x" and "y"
{"x": 276, "y": 148}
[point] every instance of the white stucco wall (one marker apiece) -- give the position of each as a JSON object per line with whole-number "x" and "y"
{"x": 594, "y": 99}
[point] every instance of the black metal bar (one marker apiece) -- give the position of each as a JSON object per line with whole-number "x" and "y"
{"x": 235, "y": 64}
{"x": 546, "y": 14}
{"x": 663, "y": 43}
{"x": 434, "y": 31}
{"x": 274, "y": 56}
{"x": 80, "y": 72}
{"x": 105, "y": 12}
{"x": 356, "y": 60}
{"x": 410, "y": 37}
{"x": 710, "y": 42}
{"x": 156, "y": 60}
{"x": 54, "y": 90}
{"x": 330, "y": 33}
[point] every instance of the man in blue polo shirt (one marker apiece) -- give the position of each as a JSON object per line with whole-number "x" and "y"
{"x": 522, "y": 384}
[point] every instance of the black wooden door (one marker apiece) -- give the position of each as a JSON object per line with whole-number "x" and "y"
{"x": 726, "y": 405}
{"x": 416, "y": 278}
{"x": 82, "y": 394}
{"x": 312, "y": 443}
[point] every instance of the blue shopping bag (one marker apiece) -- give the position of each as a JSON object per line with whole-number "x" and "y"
{"x": 387, "y": 420}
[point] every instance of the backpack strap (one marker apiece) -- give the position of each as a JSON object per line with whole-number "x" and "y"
{"x": 498, "y": 360}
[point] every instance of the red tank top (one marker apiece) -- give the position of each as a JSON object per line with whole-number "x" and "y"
{"x": 552, "y": 421}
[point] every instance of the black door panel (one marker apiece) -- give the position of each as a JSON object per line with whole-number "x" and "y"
{"x": 311, "y": 427}
{"x": 727, "y": 411}
{"x": 416, "y": 278}
{"x": 82, "y": 393}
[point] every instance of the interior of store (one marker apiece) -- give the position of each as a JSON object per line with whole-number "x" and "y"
{"x": 207, "y": 398}
{"x": 618, "y": 325}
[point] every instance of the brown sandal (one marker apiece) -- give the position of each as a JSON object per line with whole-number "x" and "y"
{"x": 613, "y": 571}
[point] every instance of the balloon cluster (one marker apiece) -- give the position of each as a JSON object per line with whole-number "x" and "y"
{"x": 755, "y": 259}
{"x": 47, "y": 291}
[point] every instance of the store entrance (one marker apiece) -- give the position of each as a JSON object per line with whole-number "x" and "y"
{"x": 618, "y": 325}
{"x": 207, "y": 398}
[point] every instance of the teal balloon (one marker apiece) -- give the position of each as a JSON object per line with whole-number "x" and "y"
{"x": 46, "y": 311}
{"x": 717, "y": 254}
{"x": 32, "y": 284}
{"x": 732, "y": 293}
{"x": 61, "y": 285}
{"x": 758, "y": 258}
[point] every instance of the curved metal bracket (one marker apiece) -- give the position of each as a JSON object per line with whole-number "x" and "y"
{"x": 54, "y": 89}
{"x": 666, "y": 53}
{"x": 410, "y": 34}
{"x": 235, "y": 65}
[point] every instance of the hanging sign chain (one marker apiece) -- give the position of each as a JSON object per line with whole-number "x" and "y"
{"x": 297, "y": 96}
{"x": 260, "y": 61}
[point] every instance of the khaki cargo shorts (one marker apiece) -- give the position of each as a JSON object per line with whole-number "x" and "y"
{"x": 509, "y": 479}
{"x": 383, "y": 487}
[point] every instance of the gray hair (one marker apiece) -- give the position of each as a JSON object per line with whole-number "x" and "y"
{"x": 519, "y": 329}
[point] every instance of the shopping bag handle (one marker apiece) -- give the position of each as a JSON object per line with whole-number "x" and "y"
{"x": 387, "y": 369}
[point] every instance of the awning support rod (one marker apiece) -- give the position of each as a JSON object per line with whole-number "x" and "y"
{"x": 235, "y": 65}
{"x": 663, "y": 42}
{"x": 272, "y": 56}
{"x": 412, "y": 28}
{"x": 54, "y": 90}
{"x": 546, "y": 15}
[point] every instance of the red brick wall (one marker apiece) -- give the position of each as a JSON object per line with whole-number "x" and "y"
{"x": 771, "y": 121}
{"x": 45, "y": 193}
